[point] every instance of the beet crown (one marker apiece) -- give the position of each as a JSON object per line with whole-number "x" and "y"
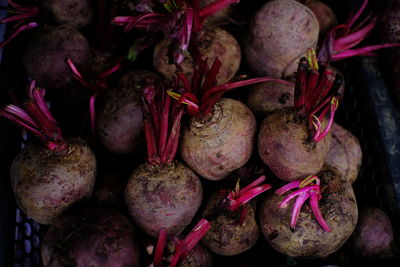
{"x": 308, "y": 188}
{"x": 316, "y": 93}
{"x": 177, "y": 20}
{"x": 162, "y": 122}
{"x": 182, "y": 247}
{"x": 35, "y": 117}
{"x": 341, "y": 39}
{"x": 98, "y": 86}
{"x": 202, "y": 93}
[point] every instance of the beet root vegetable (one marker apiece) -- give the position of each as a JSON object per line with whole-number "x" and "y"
{"x": 45, "y": 56}
{"x": 266, "y": 97}
{"x": 91, "y": 236}
{"x": 294, "y": 143}
{"x": 232, "y": 217}
{"x": 281, "y": 33}
{"x": 77, "y": 13}
{"x": 373, "y": 236}
{"x": 285, "y": 147}
{"x": 299, "y": 234}
{"x": 119, "y": 123}
{"x": 324, "y": 14}
{"x": 212, "y": 43}
{"x": 163, "y": 197}
{"x": 216, "y": 144}
{"x": 162, "y": 193}
{"x": 48, "y": 177}
{"x": 345, "y": 153}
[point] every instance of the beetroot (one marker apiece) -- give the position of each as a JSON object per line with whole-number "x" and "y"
{"x": 163, "y": 193}
{"x": 373, "y": 236}
{"x": 212, "y": 43}
{"x": 345, "y": 153}
{"x": 295, "y": 143}
{"x": 46, "y": 54}
{"x": 219, "y": 138}
{"x": 232, "y": 217}
{"x": 266, "y": 97}
{"x": 297, "y": 233}
{"x": 216, "y": 144}
{"x": 324, "y": 14}
{"x": 281, "y": 33}
{"x": 91, "y": 236}
{"x": 77, "y": 13}
{"x": 119, "y": 122}
{"x": 50, "y": 177}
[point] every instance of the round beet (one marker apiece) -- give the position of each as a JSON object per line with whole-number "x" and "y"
{"x": 46, "y": 183}
{"x": 166, "y": 196}
{"x": 77, "y": 13}
{"x": 45, "y": 56}
{"x": 373, "y": 236}
{"x": 229, "y": 235}
{"x": 212, "y": 43}
{"x": 345, "y": 153}
{"x": 284, "y": 145}
{"x": 266, "y": 97}
{"x": 220, "y": 142}
{"x": 308, "y": 239}
{"x": 324, "y": 14}
{"x": 91, "y": 236}
{"x": 120, "y": 121}
{"x": 281, "y": 33}
{"x": 199, "y": 257}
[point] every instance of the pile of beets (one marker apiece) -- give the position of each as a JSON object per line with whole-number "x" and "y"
{"x": 182, "y": 132}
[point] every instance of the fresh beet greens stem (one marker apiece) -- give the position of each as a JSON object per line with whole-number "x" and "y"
{"x": 35, "y": 117}
{"x": 309, "y": 188}
{"x": 97, "y": 87}
{"x": 161, "y": 243}
{"x": 203, "y": 93}
{"x": 214, "y": 7}
{"x": 239, "y": 197}
{"x": 25, "y": 27}
{"x": 341, "y": 39}
{"x": 316, "y": 93}
{"x": 162, "y": 117}
{"x": 185, "y": 247}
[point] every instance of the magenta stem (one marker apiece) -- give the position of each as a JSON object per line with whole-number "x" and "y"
{"x": 297, "y": 208}
{"x": 357, "y": 15}
{"x": 184, "y": 247}
{"x": 362, "y": 51}
{"x": 286, "y": 188}
{"x": 314, "y": 197}
{"x": 25, "y": 27}
{"x": 92, "y": 108}
{"x": 286, "y": 201}
{"x": 255, "y": 183}
{"x": 214, "y": 7}
{"x": 161, "y": 243}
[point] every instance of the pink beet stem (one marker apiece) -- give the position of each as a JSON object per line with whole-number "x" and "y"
{"x": 92, "y": 109}
{"x": 162, "y": 241}
{"x": 314, "y": 196}
{"x": 186, "y": 246}
{"x": 185, "y": 34}
{"x": 18, "y": 17}
{"x": 249, "y": 195}
{"x": 214, "y": 7}
{"x": 25, "y": 27}
{"x": 300, "y": 86}
{"x": 211, "y": 78}
{"x": 29, "y": 127}
{"x": 184, "y": 80}
{"x": 173, "y": 141}
{"x": 162, "y": 139}
{"x": 152, "y": 155}
{"x": 328, "y": 127}
{"x": 357, "y": 15}
{"x": 287, "y": 199}
{"x": 13, "y": 4}
{"x": 315, "y": 124}
{"x": 243, "y": 215}
{"x": 111, "y": 70}
{"x": 255, "y": 183}
{"x": 354, "y": 38}
{"x": 286, "y": 188}
{"x": 297, "y": 208}
{"x": 362, "y": 51}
